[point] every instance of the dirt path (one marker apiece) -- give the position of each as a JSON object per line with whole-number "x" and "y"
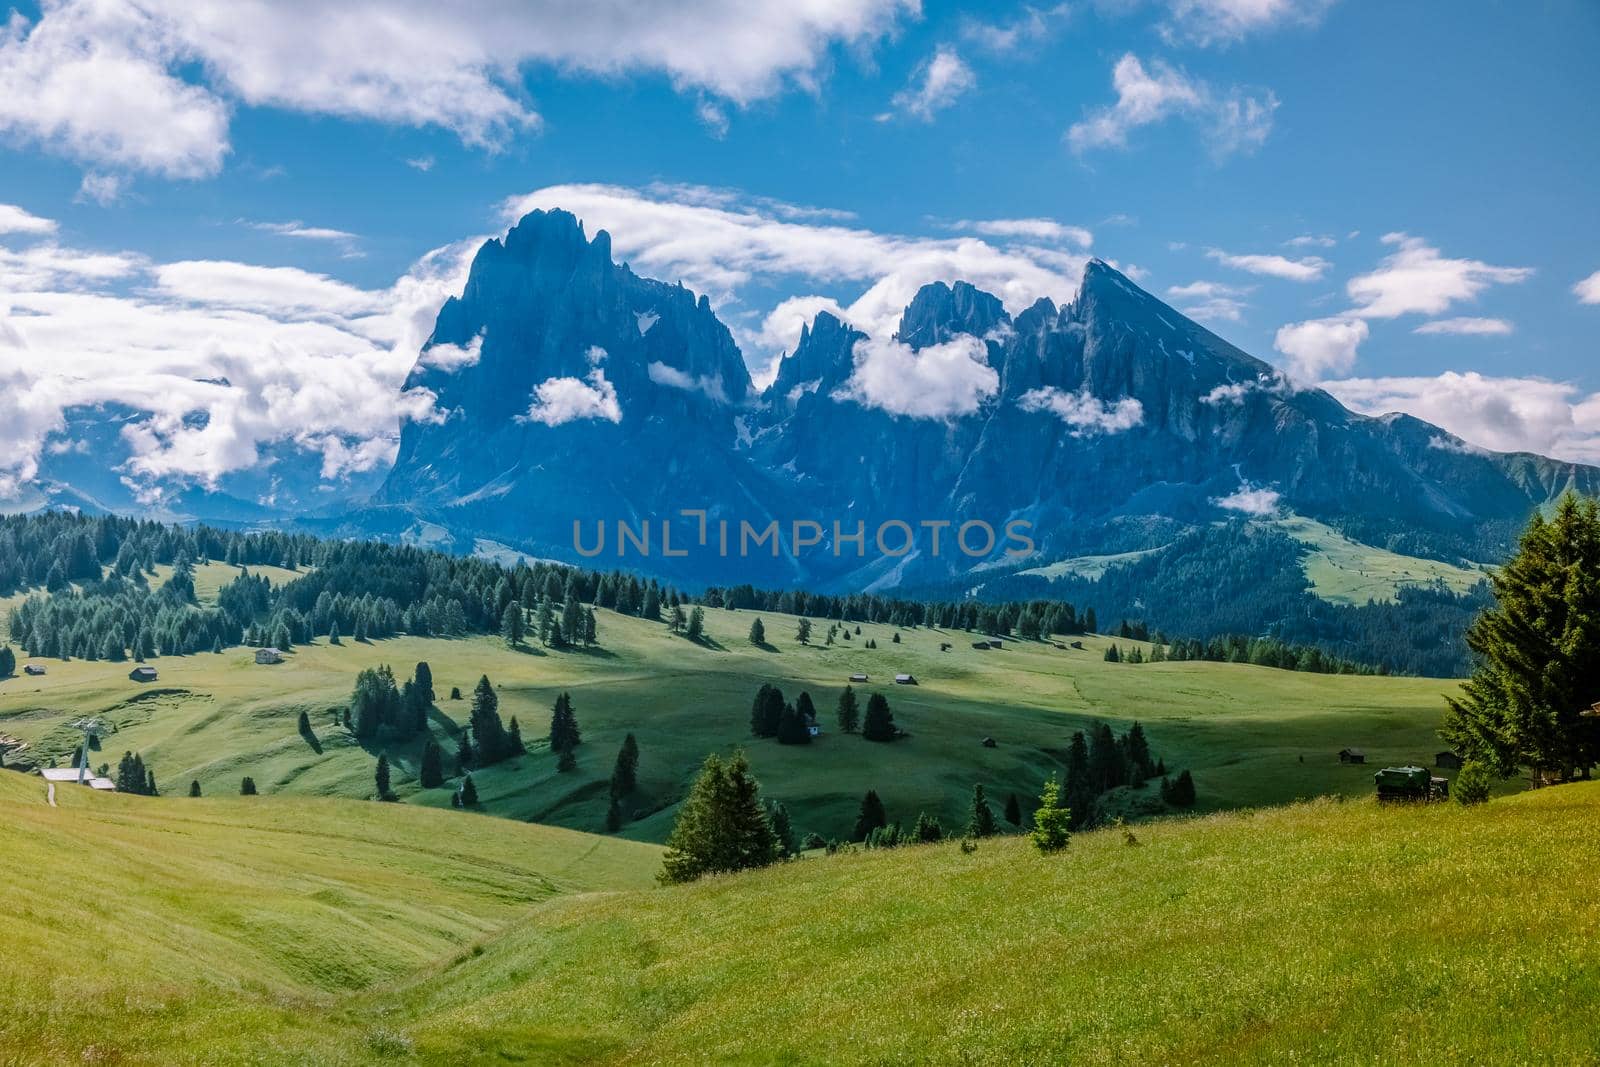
{"x": 50, "y": 794}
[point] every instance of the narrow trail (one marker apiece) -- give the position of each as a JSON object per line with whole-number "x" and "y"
{"x": 50, "y": 793}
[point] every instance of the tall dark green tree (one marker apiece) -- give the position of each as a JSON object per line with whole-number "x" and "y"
{"x": 721, "y": 825}
{"x": 247, "y": 787}
{"x": 468, "y": 796}
{"x": 849, "y": 712}
{"x": 564, "y": 734}
{"x": 490, "y": 741}
{"x": 980, "y": 821}
{"x": 194, "y": 788}
{"x": 792, "y": 727}
{"x": 879, "y": 723}
{"x": 1538, "y": 654}
{"x": 758, "y": 633}
{"x": 782, "y": 830}
{"x": 381, "y": 778}
{"x": 625, "y": 775}
{"x": 1013, "y": 810}
{"x": 511, "y": 625}
{"x": 766, "y": 712}
{"x": 8, "y": 661}
{"x": 1051, "y": 821}
{"x": 431, "y": 772}
{"x": 871, "y": 816}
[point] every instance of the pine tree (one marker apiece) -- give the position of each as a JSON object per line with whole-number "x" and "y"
{"x": 766, "y": 713}
{"x": 792, "y": 727}
{"x": 1013, "y": 810}
{"x": 721, "y": 824}
{"x": 381, "y": 777}
{"x": 625, "y": 775}
{"x": 870, "y": 817}
{"x": 782, "y": 830}
{"x": 469, "y": 793}
{"x": 564, "y": 734}
{"x": 490, "y": 742}
{"x": 879, "y": 723}
{"x": 926, "y": 829}
{"x": 1538, "y": 654}
{"x": 802, "y": 631}
{"x": 423, "y": 677}
{"x": 1136, "y": 749}
{"x": 980, "y": 823}
{"x": 758, "y": 634}
{"x": 696, "y": 629}
{"x": 333, "y": 632}
{"x": 8, "y": 662}
{"x": 431, "y": 773}
{"x": 1051, "y": 822}
{"x": 194, "y": 788}
{"x": 247, "y": 788}
{"x": 1182, "y": 792}
{"x": 614, "y": 815}
{"x": 511, "y": 626}
{"x": 849, "y": 713}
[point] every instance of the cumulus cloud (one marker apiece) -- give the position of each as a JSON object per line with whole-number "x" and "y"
{"x": 14, "y": 219}
{"x": 780, "y": 330}
{"x": 1231, "y": 122}
{"x": 1468, "y": 327}
{"x": 562, "y": 400}
{"x": 1320, "y": 347}
{"x": 1588, "y": 289}
{"x": 1211, "y": 301}
{"x": 1416, "y": 278}
{"x": 936, "y": 382}
{"x": 451, "y": 358}
{"x": 736, "y": 250}
{"x": 935, "y": 85}
{"x": 1086, "y": 413}
{"x": 215, "y": 360}
{"x": 1250, "y": 500}
{"x": 1234, "y": 393}
{"x": 150, "y": 87}
{"x": 1218, "y": 22}
{"x": 1308, "y": 269}
{"x": 1503, "y": 414}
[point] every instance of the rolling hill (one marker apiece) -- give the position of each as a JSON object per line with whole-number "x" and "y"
{"x": 296, "y": 931}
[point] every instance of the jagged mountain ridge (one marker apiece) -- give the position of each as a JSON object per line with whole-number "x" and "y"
{"x": 1107, "y": 412}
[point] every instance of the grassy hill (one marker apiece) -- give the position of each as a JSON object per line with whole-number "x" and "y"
{"x": 276, "y": 930}
{"x": 1344, "y": 571}
{"x": 1250, "y": 735}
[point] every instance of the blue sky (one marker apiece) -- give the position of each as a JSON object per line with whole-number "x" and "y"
{"x": 1439, "y": 173}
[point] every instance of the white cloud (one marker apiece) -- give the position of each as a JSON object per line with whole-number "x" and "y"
{"x": 1230, "y": 122}
{"x": 1588, "y": 289}
{"x": 1234, "y": 393}
{"x": 943, "y": 79}
{"x": 1250, "y": 500}
{"x": 1030, "y": 26}
{"x": 422, "y": 163}
{"x": 1211, "y": 301}
{"x": 451, "y": 358}
{"x": 1503, "y": 414}
{"x": 714, "y": 117}
{"x": 149, "y": 87}
{"x": 300, "y": 230}
{"x": 936, "y": 382}
{"x": 710, "y": 384}
{"x": 1086, "y": 413}
{"x": 562, "y": 400}
{"x": 1416, "y": 278}
{"x": 102, "y": 189}
{"x": 734, "y": 250}
{"x": 1209, "y": 22}
{"x": 1308, "y": 269}
{"x": 14, "y": 219}
{"x": 1312, "y": 240}
{"x": 1033, "y": 229}
{"x": 780, "y": 330}
{"x": 1468, "y": 327}
{"x": 1319, "y": 347}
{"x": 262, "y": 355}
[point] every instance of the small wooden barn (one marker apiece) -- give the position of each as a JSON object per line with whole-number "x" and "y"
{"x": 33, "y": 669}
{"x": 1352, "y": 755}
{"x": 905, "y": 679}
{"x": 858, "y": 677}
{"x": 142, "y": 674}
{"x": 268, "y": 655}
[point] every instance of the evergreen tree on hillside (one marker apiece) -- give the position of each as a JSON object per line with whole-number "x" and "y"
{"x": 1082, "y": 786}
{"x": 1538, "y": 654}
{"x": 625, "y": 775}
{"x": 247, "y": 788}
{"x": 926, "y": 830}
{"x": 792, "y": 727}
{"x": 849, "y": 711}
{"x": 758, "y": 633}
{"x": 696, "y": 630}
{"x": 333, "y": 632}
{"x": 381, "y": 778}
{"x": 766, "y": 712}
{"x": 564, "y": 734}
{"x": 782, "y": 830}
{"x": 980, "y": 822}
{"x": 423, "y": 676}
{"x": 879, "y": 723}
{"x": 431, "y": 772}
{"x": 490, "y": 742}
{"x": 468, "y": 796}
{"x": 1136, "y": 750}
{"x": 870, "y": 817}
{"x": 1013, "y": 810}
{"x": 802, "y": 631}
{"x": 721, "y": 825}
{"x": 8, "y": 662}
{"x": 511, "y": 626}
{"x": 1051, "y": 821}
{"x": 194, "y": 788}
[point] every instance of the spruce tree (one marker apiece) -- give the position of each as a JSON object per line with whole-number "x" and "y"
{"x": 802, "y": 631}
{"x": 381, "y": 777}
{"x": 194, "y": 788}
{"x": 782, "y": 830}
{"x": 879, "y": 722}
{"x": 926, "y": 829}
{"x": 696, "y": 630}
{"x": 431, "y": 772}
{"x": 247, "y": 788}
{"x": 564, "y": 734}
{"x": 8, "y": 662}
{"x": 1013, "y": 810}
{"x": 614, "y": 815}
{"x": 1538, "y": 654}
{"x": 490, "y": 742}
{"x": 625, "y": 774}
{"x": 721, "y": 824}
{"x": 980, "y": 822}
{"x": 849, "y": 713}
{"x": 766, "y": 712}
{"x": 1051, "y": 822}
{"x": 758, "y": 634}
{"x": 469, "y": 793}
{"x": 511, "y": 626}
{"x": 870, "y": 817}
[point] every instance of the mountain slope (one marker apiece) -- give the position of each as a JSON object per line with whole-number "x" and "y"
{"x": 1320, "y": 932}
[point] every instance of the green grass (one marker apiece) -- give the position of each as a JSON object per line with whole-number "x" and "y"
{"x": 1343, "y": 571}
{"x": 1091, "y": 567}
{"x": 1250, "y": 735}
{"x": 172, "y": 932}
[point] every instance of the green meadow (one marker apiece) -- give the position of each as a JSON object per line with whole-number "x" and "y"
{"x": 292, "y": 930}
{"x": 1250, "y": 735}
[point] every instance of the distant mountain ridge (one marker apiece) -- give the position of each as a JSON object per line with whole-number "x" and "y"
{"x": 1113, "y": 421}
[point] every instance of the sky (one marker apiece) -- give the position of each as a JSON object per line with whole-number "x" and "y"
{"x": 239, "y": 219}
